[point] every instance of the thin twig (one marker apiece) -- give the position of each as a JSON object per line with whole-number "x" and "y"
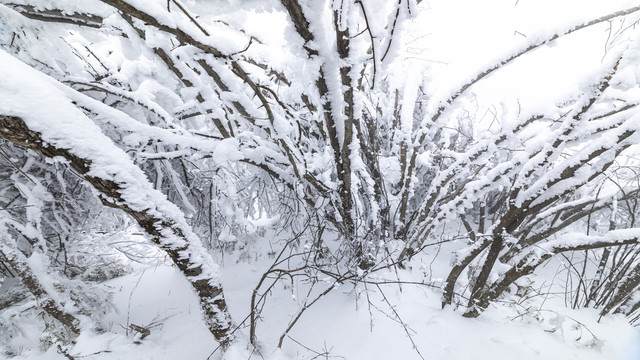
{"x": 404, "y": 325}
{"x": 193, "y": 20}
{"x": 393, "y": 29}
{"x": 373, "y": 45}
{"x": 130, "y": 297}
{"x": 6, "y": 156}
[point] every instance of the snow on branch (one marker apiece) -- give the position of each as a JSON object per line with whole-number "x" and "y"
{"x": 30, "y": 105}
{"x": 167, "y": 25}
{"x": 537, "y": 255}
{"x": 578, "y": 241}
{"x": 49, "y": 302}
{"x": 57, "y": 16}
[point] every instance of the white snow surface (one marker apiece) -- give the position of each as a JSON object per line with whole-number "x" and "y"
{"x": 342, "y": 325}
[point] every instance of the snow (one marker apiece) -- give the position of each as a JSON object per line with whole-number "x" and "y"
{"x": 631, "y": 347}
{"x": 448, "y": 44}
{"x": 577, "y": 239}
{"x": 343, "y": 324}
{"x": 29, "y": 95}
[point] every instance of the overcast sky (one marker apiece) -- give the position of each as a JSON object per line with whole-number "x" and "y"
{"x": 454, "y": 39}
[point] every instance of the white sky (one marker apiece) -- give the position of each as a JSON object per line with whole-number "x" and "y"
{"x": 457, "y": 38}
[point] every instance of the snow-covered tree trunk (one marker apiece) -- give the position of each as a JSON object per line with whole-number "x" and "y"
{"x": 47, "y": 301}
{"x": 151, "y": 210}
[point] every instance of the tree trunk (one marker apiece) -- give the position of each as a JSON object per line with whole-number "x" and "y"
{"x": 170, "y": 234}
{"x": 19, "y": 264}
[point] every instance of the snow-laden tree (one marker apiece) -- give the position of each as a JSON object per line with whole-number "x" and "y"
{"x": 203, "y": 127}
{"x": 205, "y": 104}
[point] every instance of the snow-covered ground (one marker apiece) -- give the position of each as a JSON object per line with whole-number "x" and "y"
{"x": 352, "y": 322}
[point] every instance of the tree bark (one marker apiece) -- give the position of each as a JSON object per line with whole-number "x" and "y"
{"x": 162, "y": 230}
{"x": 19, "y": 264}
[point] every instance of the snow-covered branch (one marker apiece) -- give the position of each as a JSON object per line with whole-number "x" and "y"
{"x": 111, "y": 172}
